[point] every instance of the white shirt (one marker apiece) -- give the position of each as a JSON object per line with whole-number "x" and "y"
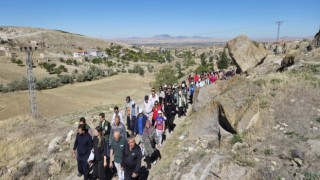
{"x": 114, "y": 116}
{"x": 153, "y": 99}
{"x": 148, "y": 107}
{"x": 202, "y": 83}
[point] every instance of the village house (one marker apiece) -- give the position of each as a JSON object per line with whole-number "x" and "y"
{"x": 87, "y": 53}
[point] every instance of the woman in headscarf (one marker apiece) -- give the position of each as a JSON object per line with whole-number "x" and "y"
{"x": 149, "y": 142}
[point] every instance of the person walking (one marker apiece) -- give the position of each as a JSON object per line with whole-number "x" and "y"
{"x": 148, "y": 106}
{"x": 162, "y": 95}
{"x": 131, "y": 160}
{"x": 181, "y": 104}
{"x": 118, "y": 126}
{"x": 160, "y": 127}
{"x": 82, "y": 121}
{"x": 100, "y": 161}
{"x": 117, "y": 147}
{"x": 155, "y": 110}
{"x": 81, "y": 151}
{"x": 153, "y": 96}
{"x": 149, "y": 143}
{"x": 191, "y": 92}
{"x": 117, "y": 112}
{"x": 128, "y": 111}
{"x": 133, "y": 116}
{"x": 170, "y": 112}
{"x": 140, "y": 123}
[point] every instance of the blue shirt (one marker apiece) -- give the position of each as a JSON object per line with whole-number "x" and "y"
{"x": 140, "y": 125}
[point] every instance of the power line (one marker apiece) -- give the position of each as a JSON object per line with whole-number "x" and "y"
{"x": 279, "y": 24}
{"x": 31, "y": 83}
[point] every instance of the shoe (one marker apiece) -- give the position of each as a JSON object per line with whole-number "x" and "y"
{"x": 79, "y": 174}
{"x": 154, "y": 162}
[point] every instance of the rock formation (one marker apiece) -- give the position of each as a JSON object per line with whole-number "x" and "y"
{"x": 245, "y": 54}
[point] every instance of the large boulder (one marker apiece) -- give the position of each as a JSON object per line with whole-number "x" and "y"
{"x": 316, "y": 40}
{"x": 245, "y": 54}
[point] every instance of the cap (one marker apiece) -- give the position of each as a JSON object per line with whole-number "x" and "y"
{"x": 165, "y": 86}
{"x": 159, "y": 112}
{"x": 140, "y": 110}
{"x": 132, "y": 102}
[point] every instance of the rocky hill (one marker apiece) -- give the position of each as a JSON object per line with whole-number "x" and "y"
{"x": 263, "y": 125}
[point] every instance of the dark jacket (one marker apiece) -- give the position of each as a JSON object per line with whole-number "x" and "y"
{"x": 98, "y": 151}
{"x": 131, "y": 159}
{"x": 83, "y": 144}
{"x": 144, "y": 120}
{"x": 106, "y": 127}
{"x": 170, "y": 110}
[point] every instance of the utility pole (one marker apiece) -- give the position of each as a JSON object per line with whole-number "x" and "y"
{"x": 31, "y": 83}
{"x": 279, "y": 24}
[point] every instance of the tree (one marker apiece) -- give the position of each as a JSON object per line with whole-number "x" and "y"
{"x": 188, "y": 59}
{"x": 168, "y": 56}
{"x": 165, "y": 76}
{"x": 203, "y": 59}
{"x": 223, "y": 62}
{"x": 179, "y": 67}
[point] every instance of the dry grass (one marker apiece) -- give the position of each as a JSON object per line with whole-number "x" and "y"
{"x": 75, "y": 97}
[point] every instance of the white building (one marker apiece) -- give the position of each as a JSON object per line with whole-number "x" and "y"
{"x": 80, "y": 53}
{"x": 95, "y": 53}
{"x": 84, "y": 53}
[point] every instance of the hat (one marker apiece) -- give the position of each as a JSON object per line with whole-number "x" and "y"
{"x": 140, "y": 110}
{"x": 165, "y": 86}
{"x": 132, "y": 102}
{"x": 159, "y": 112}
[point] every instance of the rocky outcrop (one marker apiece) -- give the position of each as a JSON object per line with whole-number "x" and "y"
{"x": 222, "y": 106}
{"x": 54, "y": 145}
{"x": 287, "y": 61}
{"x": 316, "y": 40}
{"x": 245, "y": 54}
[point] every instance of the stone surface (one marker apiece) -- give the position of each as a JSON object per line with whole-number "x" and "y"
{"x": 298, "y": 161}
{"x": 245, "y": 53}
{"x": 69, "y": 135}
{"x": 54, "y": 145}
{"x": 296, "y": 153}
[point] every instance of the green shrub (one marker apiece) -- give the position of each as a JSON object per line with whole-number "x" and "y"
{"x": 268, "y": 152}
{"x": 223, "y": 62}
{"x": 318, "y": 119}
{"x": 188, "y": 59}
{"x": 165, "y": 76}
{"x": 312, "y": 176}
{"x": 236, "y": 138}
{"x": 137, "y": 69}
{"x": 66, "y": 79}
{"x": 81, "y": 78}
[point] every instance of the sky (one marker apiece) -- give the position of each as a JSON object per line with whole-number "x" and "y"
{"x": 146, "y": 18}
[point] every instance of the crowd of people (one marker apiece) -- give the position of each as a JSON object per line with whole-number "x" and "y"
{"x": 121, "y": 144}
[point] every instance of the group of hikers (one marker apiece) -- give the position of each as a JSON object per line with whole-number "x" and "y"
{"x": 121, "y": 144}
